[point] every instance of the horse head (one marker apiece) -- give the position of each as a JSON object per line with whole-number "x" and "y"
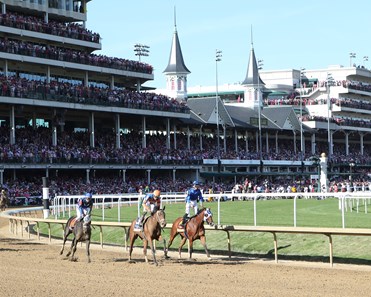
{"x": 208, "y": 216}
{"x": 160, "y": 217}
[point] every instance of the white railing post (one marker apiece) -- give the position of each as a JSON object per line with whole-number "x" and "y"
{"x": 343, "y": 211}
{"x": 296, "y": 196}
{"x": 255, "y": 198}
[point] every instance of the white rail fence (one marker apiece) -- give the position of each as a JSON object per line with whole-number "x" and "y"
{"x": 63, "y": 205}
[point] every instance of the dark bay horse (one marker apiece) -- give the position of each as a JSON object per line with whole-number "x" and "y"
{"x": 194, "y": 229}
{"x": 152, "y": 228}
{"x": 81, "y": 232}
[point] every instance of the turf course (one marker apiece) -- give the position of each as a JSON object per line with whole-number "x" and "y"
{"x": 310, "y": 213}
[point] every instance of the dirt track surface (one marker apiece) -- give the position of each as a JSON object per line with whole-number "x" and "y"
{"x": 29, "y": 267}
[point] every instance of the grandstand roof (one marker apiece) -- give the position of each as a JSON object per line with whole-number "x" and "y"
{"x": 205, "y": 108}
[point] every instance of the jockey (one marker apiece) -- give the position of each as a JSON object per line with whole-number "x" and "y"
{"x": 193, "y": 196}
{"x": 150, "y": 203}
{"x": 84, "y": 206}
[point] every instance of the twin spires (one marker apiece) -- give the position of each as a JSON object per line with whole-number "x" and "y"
{"x": 176, "y": 71}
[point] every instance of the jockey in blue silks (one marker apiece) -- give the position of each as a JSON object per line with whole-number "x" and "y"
{"x": 84, "y": 206}
{"x": 193, "y": 196}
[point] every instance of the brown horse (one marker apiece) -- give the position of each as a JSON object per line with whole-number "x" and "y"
{"x": 194, "y": 229}
{"x": 151, "y": 231}
{"x": 81, "y": 231}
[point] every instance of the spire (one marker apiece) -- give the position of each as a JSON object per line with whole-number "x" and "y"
{"x": 252, "y": 75}
{"x": 176, "y": 62}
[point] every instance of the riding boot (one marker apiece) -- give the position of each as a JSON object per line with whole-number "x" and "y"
{"x": 184, "y": 219}
{"x": 142, "y": 219}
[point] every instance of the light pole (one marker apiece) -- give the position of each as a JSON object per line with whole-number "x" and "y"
{"x": 218, "y": 58}
{"x": 351, "y": 55}
{"x": 141, "y": 50}
{"x": 260, "y": 66}
{"x": 329, "y": 81}
{"x": 301, "y": 116}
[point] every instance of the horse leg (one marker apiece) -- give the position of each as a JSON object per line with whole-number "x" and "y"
{"x": 132, "y": 238}
{"x": 153, "y": 249}
{"x": 145, "y": 245}
{"x": 190, "y": 247}
{"x": 72, "y": 244}
{"x": 74, "y": 247}
{"x": 164, "y": 244}
{"x": 203, "y": 242}
{"x": 88, "y": 250}
{"x": 183, "y": 241}
{"x": 66, "y": 233}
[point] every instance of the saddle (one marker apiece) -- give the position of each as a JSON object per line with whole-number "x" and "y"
{"x": 72, "y": 223}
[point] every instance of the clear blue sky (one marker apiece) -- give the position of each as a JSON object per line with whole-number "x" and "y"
{"x": 286, "y": 34}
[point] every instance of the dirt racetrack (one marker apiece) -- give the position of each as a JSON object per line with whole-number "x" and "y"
{"x": 29, "y": 267}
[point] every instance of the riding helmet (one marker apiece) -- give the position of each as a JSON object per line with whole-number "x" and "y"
{"x": 156, "y": 193}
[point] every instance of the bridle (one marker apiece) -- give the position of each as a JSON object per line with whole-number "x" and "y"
{"x": 208, "y": 214}
{"x": 162, "y": 220}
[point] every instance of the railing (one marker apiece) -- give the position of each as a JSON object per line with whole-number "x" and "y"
{"x": 15, "y": 219}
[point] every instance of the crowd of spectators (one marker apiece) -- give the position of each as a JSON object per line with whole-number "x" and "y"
{"x": 36, "y": 24}
{"x": 28, "y": 190}
{"x": 14, "y": 86}
{"x": 35, "y": 146}
{"x": 47, "y": 51}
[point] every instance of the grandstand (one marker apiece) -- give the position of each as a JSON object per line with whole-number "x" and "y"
{"x": 67, "y": 111}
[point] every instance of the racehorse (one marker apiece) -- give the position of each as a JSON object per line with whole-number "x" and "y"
{"x": 194, "y": 229}
{"x": 152, "y": 227}
{"x": 81, "y": 231}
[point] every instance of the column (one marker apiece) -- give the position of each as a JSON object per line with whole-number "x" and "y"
{"x": 3, "y": 8}
{"x": 361, "y": 135}
{"x": 91, "y": 129}
{"x": 48, "y": 74}
{"x": 117, "y": 130}
{"x": 236, "y": 140}
{"x": 257, "y": 141}
{"x": 225, "y": 138}
{"x": 294, "y": 141}
{"x": 201, "y": 137}
{"x": 1, "y": 177}
{"x": 6, "y": 68}
{"x": 124, "y": 175}
{"x": 88, "y": 176}
{"x": 168, "y": 133}
{"x": 174, "y": 137}
{"x": 144, "y": 135}
{"x": 313, "y": 143}
{"x": 267, "y": 142}
{"x": 148, "y": 176}
{"x": 247, "y": 141}
{"x": 174, "y": 171}
{"x": 12, "y": 126}
{"x": 346, "y": 144}
{"x": 86, "y": 82}
{"x": 188, "y": 138}
{"x": 54, "y": 136}
{"x": 112, "y": 82}
{"x": 277, "y": 149}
